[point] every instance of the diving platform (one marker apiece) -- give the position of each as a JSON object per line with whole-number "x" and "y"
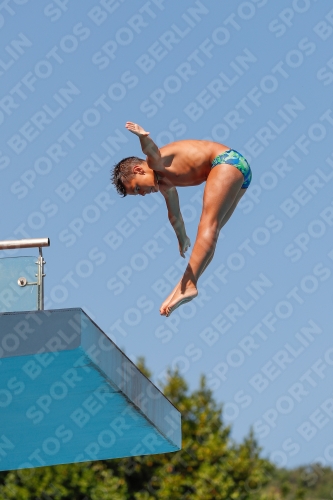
{"x": 67, "y": 392}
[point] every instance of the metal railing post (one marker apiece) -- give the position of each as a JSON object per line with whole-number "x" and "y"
{"x": 40, "y": 280}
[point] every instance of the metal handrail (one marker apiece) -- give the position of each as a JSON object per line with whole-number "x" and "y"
{"x": 31, "y": 243}
{"x": 27, "y": 243}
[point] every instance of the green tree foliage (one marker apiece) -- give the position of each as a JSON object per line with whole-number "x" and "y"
{"x": 210, "y": 466}
{"x": 313, "y": 482}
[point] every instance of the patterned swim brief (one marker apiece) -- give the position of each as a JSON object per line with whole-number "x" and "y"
{"x": 232, "y": 157}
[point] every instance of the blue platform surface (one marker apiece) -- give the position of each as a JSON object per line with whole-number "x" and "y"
{"x": 68, "y": 394}
{"x": 12, "y": 296}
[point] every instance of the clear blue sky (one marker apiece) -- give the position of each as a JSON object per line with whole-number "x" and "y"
{"x": 255, "y": 75}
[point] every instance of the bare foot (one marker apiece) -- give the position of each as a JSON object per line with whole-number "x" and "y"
{"x": 182, "y": 295}
{"x": 167, "y": 300}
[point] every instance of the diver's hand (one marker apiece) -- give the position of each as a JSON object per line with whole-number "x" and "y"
{"x": 184, "y": 245}
{"x": 136, "y": 129}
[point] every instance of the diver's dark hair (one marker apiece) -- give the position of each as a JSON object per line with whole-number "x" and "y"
{"x": 123, "y": 171}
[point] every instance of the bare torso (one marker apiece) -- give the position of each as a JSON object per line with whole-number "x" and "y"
{"x": 186, "y": 163}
